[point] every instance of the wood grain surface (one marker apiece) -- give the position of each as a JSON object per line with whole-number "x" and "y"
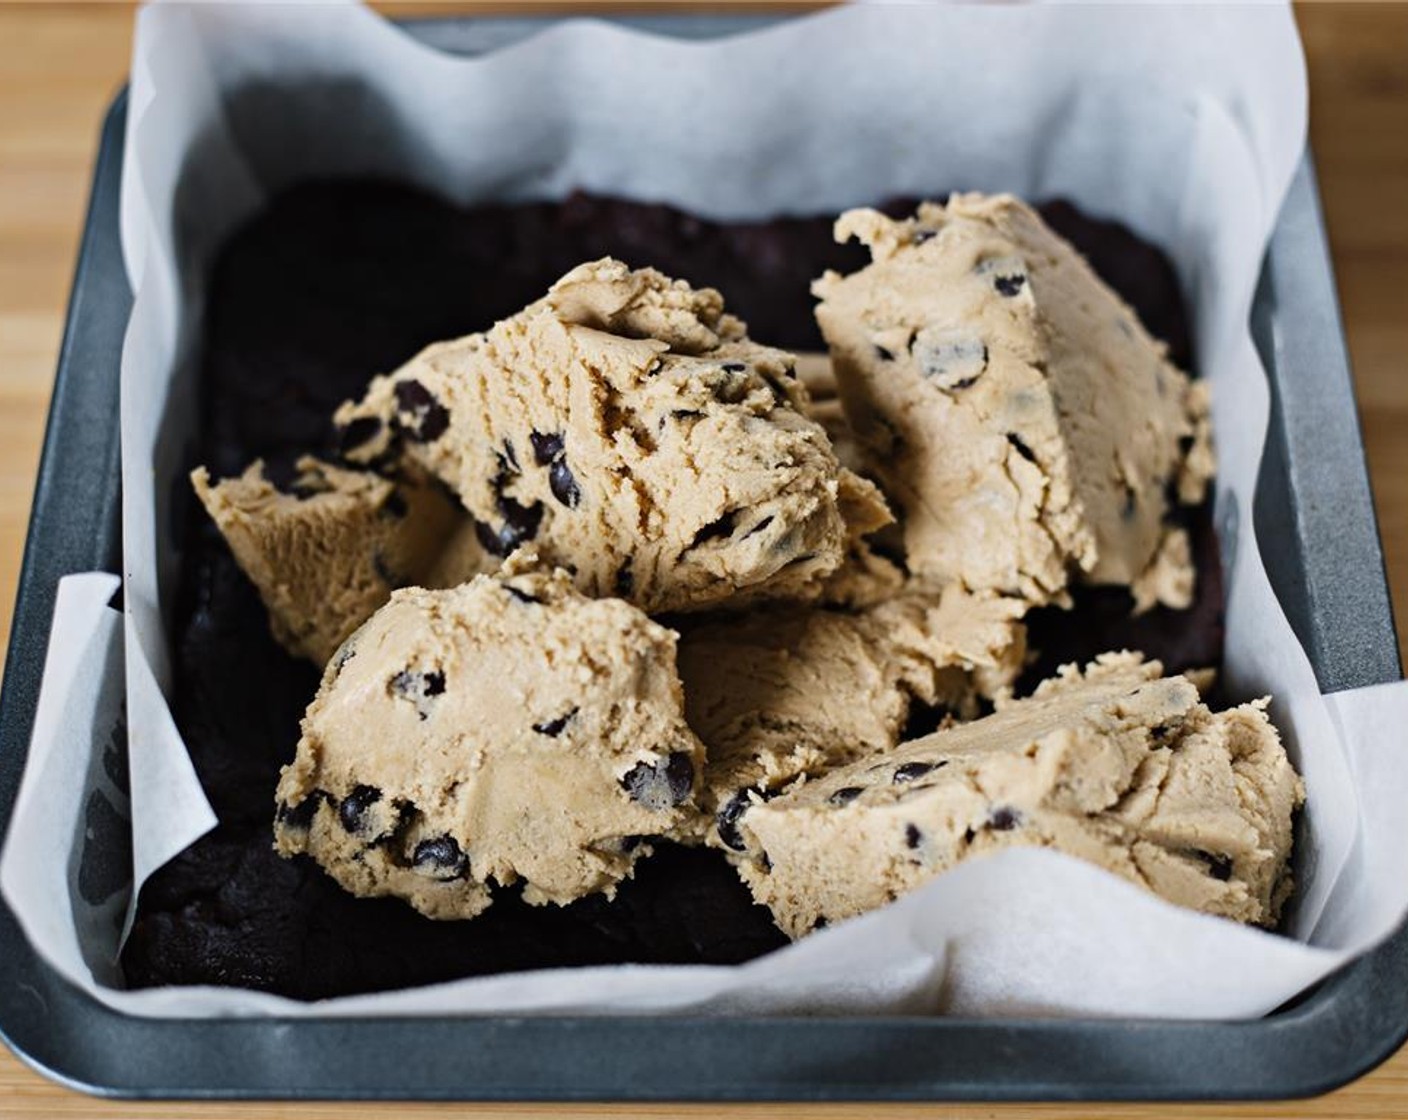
{"x": 61, "y": 63}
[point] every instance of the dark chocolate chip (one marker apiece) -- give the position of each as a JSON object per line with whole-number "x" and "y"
{"x": 820, "y": 923}
{"x": 686, "y": 413}
{"x": 759, "y": 527}
{"x": 1022, "y": 449}
{"x": 968, "y": 835}
{"x": 547, "y": 446}
{"x": 625, "y": 581}
{"x": 360, "y": 431}
{"x": 1130, "y": 498}
{"x": 951, "y": 361}
{"x": 345, "y": 653}
{"x": 520, "y": 524}
{"x": 1009, "y": 286}
{"x": 440, "y": 857}
{"x": 1219, "y": 866}
{"x": 1004, "y": 819}
{"x": 663, "y": 784}
{"x": 727, "y": 818}
{"x": 353, "y": 810}
{"x": 734, "y": 367}
{"x": 912, "y": 836}
{"x": 419, "y": 414}
{"x": 508, "y": 458}
{"x": 845, "y": 795}
{"x": 563, "y": 486}
{"x": 300, "y": 816}
{"x": 521, "y": 595}
{"x": 553, "y": 727}
{"x": 716, "y": 529}
{"x": 884, "y": 355}
{"x": 911, "y": 770}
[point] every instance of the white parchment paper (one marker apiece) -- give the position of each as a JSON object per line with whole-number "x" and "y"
{"x": 1184, "y": 123}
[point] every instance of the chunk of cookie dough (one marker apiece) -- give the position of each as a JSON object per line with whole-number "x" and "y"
{"x": 507, "y": 729}
{"x": 1012, "y": 406}
{"x": 1114, "y": 765}
{"x": 788, "y": 691}
{"x": 329, "y": 550}
{"x": 629, "y": 430}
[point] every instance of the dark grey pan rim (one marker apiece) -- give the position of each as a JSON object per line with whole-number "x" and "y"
{"x": 1314, "y": 497}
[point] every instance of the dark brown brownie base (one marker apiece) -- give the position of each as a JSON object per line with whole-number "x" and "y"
{"x": 335, "y": 283}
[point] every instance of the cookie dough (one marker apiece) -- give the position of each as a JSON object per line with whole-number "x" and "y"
{"x": 789, "y": 691}
{"x": 629, "y": 430}
{"x": 1012, "y": 406}
{"x": 508, "y": 729}
{"x": 328, "y": 551}
{"x": 1115, "y": 766}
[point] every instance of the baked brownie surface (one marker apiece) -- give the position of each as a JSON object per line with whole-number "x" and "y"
{"x": 336, "y": 282}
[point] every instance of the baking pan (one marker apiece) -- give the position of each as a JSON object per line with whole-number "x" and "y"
{"x": 1313, "y": 499}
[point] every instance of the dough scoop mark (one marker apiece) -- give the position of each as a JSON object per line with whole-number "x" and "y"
{"x": 554, "y": 727}
{"x": 661, "y": 785}
{"x": 440, "y": 858}
{"x": 353, "y": 810}
{"x": 419, "y": 415}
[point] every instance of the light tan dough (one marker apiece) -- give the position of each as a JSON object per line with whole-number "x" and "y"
{"x": 330, "y": 552}
{"x": 789, "y": 691}
{"x": 627, "y": 427}
{"x": 1115, "y": 766}
{"x": 1012, "y": 406}
{"x": 506, "y": 729}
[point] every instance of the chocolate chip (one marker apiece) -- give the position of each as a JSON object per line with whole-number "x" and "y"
{"x": 520, "y": 595}
{"x": 1009, "y": 286}
{"x": 722, "y": 527}
{"x": 299, "y": 817}
{"x": 360, "y": 431}
{"x": 1219, "y": 866}
{"x": 563, "y": 486}
{"x": 912, "y": 836}
{"x": 418, "y": 688}
{"x": 663, "y": 784}
{"x": 727, "y": 818}
{"x": 686, "y": 413}
{"x": 734, "y": 367}
{"x": 428, "y": 418}
{"x": 759, "y": 527}
{"x": 1004, "y": 819}
{"x": 1127, "y": 511}
{"x": 968, "y": 835}
{"x": 440, "y": 858}
{"x": 508, "y": 459}
{"x": 553, "y": 727}
{"x": 1022, "y": 449}
{"x": 952, "y": 360}
{"x": 395, "y": 506}
{"x": 345, "y": 653}
{"x": 911, "y": 770}
{"x": 520, "y": 524}
{"x": 625, "y": 581}
{"x": 884, "y": 355}
{"x": 546, "y": 446}
{"x": 820, "y": 923}
{"x": 353, "y": 810}
{"x": 845, "y": 795}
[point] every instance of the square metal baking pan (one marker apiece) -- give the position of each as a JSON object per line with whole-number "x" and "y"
{"x": 1312, "y": 500}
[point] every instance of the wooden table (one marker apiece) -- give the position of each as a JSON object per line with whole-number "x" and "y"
{"x": 61, "y": 63}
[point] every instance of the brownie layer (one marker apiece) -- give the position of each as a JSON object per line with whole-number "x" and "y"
{"x": 335, "y": 282}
